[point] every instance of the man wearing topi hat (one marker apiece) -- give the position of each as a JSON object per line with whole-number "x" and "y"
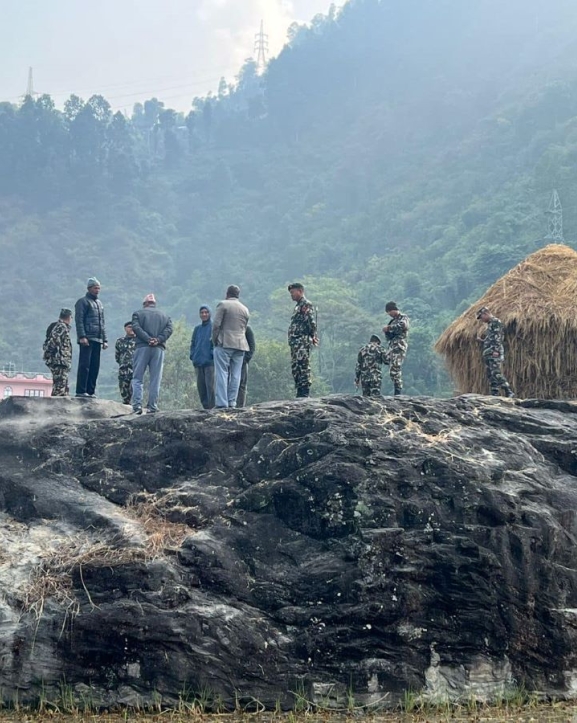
{"x": 152, "y": 328}
{"x": 91, "y": 333}
{"x": 494, "y": 352}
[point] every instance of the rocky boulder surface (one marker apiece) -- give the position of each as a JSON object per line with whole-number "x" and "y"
{"x": 309, "y": 550}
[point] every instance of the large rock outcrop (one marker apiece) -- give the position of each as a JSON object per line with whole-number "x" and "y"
{"x": 292, "y": 550}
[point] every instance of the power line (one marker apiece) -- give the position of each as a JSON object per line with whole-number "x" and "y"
{"x": 160, "y": 79}
{"x": 98, "y": 90}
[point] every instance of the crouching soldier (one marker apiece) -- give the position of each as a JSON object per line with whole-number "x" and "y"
{"x": 368, "y": 372}
{"x": 57, "y": 354}
{"x": 123, "y": 353}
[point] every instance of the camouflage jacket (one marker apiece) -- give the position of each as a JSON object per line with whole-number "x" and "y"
{"x": 302, "y": 325}
{"x": 493, "y": 341}
{"x": 57, "y": 347}
{"x": 398, "y": 332}
{"x": 369, "y": 361}
{"x": 123, "y": 353}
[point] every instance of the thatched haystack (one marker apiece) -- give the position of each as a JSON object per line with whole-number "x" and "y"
{"x": 537, "y": 303}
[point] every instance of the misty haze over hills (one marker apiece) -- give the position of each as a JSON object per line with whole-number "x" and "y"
{"x": 393, "y": 150}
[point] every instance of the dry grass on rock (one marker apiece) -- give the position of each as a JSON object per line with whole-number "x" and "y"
{"x": 53, "y": 577}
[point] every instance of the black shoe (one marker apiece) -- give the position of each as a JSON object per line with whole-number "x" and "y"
{"x": 151, "y": 411}
{"x": 398, "y": 391}
{"x": 510, "y": 393}
{"x": 302, "y": 392}
{"x": 137, "y": 410}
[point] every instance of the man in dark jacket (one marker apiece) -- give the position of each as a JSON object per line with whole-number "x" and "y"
{"x": 91, "y": 333}
{"x": 202, "y": 359}
{"x": 152, "y": 328}
{"x": 248, "y": 355}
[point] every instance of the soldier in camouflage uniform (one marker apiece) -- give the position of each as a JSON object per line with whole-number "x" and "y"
{"x": 494, "y": 352}
{"x": 123, "y": 353}
{"x": 396, "y": 332}
{"x": 302, "y": 334}
{"x": 57, "y": 354}
{"x": 368, "y": 371}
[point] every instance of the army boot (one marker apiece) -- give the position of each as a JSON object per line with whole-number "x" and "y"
{"x": 302, "y": 392}
{"x": 398, "y": 390}
{"x": 494, "y": 391}
{"x": 508, "y": 391}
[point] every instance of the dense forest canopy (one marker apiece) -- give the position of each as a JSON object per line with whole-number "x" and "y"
{"x": 394, "y": 150}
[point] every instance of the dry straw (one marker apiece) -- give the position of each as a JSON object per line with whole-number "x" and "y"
{"x": 537, "y": 303}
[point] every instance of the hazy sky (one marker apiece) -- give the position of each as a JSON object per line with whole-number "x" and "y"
{"x": 130, "y": 50}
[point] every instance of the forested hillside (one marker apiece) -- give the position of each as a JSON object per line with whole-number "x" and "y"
{"x": 394, "y": 150}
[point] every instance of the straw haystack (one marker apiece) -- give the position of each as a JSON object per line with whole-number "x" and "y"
{"x": 537, "y": 303}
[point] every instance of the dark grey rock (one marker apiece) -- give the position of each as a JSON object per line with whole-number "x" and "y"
{"x": 293, "y": 548}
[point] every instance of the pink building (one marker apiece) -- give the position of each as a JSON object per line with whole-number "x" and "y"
{"x": 24, "y": 384}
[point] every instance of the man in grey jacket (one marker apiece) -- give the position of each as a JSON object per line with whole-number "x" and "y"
{"x": 152, "y": 328}
{"x": 229, "y": 340}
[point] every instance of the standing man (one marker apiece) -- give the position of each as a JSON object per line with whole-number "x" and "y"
{"x": 229, "y": 340}
{"x": 91, "y": 333}
{"x": 152, "y": 328}
{"x": 201, "y": 356}
{"x": 494, "y": 352}
{"x": 58, "y": 352}
{"x": 368, "y": 372}
{"x": 123, "y": 353}
{"x": 248, "y": 355}
{"x": 396, "y": 332}
{"x": 302, "y": 334}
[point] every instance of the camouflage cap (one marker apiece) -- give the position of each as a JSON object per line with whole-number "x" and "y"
{"x": 482, "y": 310}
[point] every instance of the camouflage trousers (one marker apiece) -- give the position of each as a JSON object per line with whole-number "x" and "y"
{"x": 371, "y": 383}
{"x": 59, "y": 381}
{"x": 494, "y": 367}
{"x": 395, "y": 359}
{"x": 371, "y": 389}
{"x": 125, "y": 386}
{"x": 301, "y": 365}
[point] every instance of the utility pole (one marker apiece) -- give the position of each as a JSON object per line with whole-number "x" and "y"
{"x": 555, "y": 221}
{"x": 261, "y": 47}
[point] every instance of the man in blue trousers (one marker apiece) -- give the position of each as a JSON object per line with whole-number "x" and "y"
{"x": 152, "y": 328}
{"x": 229, "y": 340}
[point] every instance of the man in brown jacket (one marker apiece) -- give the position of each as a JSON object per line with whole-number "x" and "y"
{"x": 229, "y": 340}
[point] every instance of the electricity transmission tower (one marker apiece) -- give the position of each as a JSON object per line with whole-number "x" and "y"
{"x": 30, "y": 92}
{"x": 261, "y": 47}
{"x": 555, "y": 220}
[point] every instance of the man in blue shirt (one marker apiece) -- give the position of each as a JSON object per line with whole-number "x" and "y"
{"x": 202, "y": 359}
